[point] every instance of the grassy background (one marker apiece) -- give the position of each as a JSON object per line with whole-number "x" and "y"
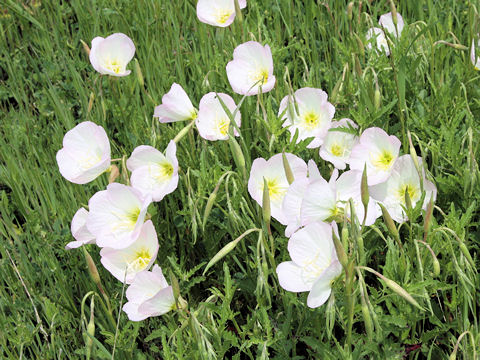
{"x": 236, "y": 310}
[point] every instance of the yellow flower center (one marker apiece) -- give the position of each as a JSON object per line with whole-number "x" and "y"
{"x": 89, "y": 160}
{"x": 113, "y": 65}
{"x": 223, "y": 125}
{"x": 413, "y": 193}
{"x": 384, "y": 161}
{"x": 275, "y": 190}
{"x": 223, "y": 15}
{"x": 311, "y": 269}
{"x": 337, "y": 150}
{"x": 126, "y": 221}
{"x": 260, "y": 77}
{"x": 311, "y": 120}
{"x": 141, "y": 260}
{"x": 162, "y": 171}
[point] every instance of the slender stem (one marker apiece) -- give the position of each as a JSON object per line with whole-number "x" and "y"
{"x": 119, "y": 313}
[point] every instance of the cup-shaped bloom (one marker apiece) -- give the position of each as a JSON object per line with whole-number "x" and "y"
{"x": 175, "y": 106}
{"x": 116, "y": 215}
{"x": 378, "y": 151}
{"x": 126, "y": 263}
{"x": 386, "y": 21}
{"x": 251, "y": 69}
{"x": 79, "y": 230}
{"x": 149, "y": 295}
{"x": 337, "y": 145}
{"x": 212, "y": 120}
{"x": 314, "y": 263}
{"x": 273, "y": 172}
{"x": 218, "y": 12}
{"x": 292, "y": 202}
{"x": 111, "y": 55}
{"x": 404, "y": 178}
{"x": 313, "y": 118}
{"x": 85, "y": 153}
{"x": 324, "y": 200}
{"x": 475, "y": 59}
{"x": 153, "y": 173}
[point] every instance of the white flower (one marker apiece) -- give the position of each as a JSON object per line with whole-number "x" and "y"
{"x": 386, "y": 21}
{"x": 378, "y": 151}
{"x": 338, "y": 145}
{"x": 212, "y": 121}
{"x": 85, "y": 153}
{"x": 292, "y": 201}
{"x": 80, "y": 231}
{"x": 153, "y": 173}
{"x": 149, "y": 295}
{"x": 314, "y": 263}
{"x": 314, "y": 116}
{"x": 326, "y": 200}
{"x": 116, "y": 215}
{"x": 124, "y": 264}
{"x": 218, "y": 12}
{"x": 251, "y": 69}
{"x": 404, "y": 178}
{"x": 273, "y": 172}
{"x": 111, "y": 55}
{"x": 176, "y": 106}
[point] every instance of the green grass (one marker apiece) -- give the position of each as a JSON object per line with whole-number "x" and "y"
{"x": 237, "y": 309}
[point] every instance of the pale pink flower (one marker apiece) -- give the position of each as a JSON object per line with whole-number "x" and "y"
{"x": 251, "y": 69}
{"x": 314, "y": 115}
{"x": 85, "y": 153}
{"x": 149, "y": 295}
{"x": 175, "y": 106}
{"x": 212, "y": 121}
{"x": 273, "y": 172}
{"x": 79, "y": 230}
{"x": 378, "y": 151}
{"x": 292, "y": 201}
{"x": 386, "y": 21}
{"x": 326, "y": 200}
{"x": 218, "y": 12}
{"x": 153, "y": 173}
{"x": 125, "y": 264}
{"x": 404, "y": 178}
{"x": 337, "y": 145}
{"x": 116, "y": 215}
{"x": 111, "y": 55}
{"x": 314, "y": 264}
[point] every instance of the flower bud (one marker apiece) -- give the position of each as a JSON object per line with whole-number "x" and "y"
{"x": 390, "y": 224}
{"x": 175, "y": 287}
{"x": 237, "y": 155}
{"x": 364, "y": 189}
{"x": 238, "y": 12}
{"x": 90, "y": 102}
{"x": 138, "y": 72}
{"x": 114, "y": 174}
{"x": 341, "y": 255}
{"x": 288, "y": 169}
{"x": 350, "y": 10}
{"x": 90, "y": 329}
{"x": 85, "y": 48}
{"x": 183, "y": 132}
{"x": 393, "y": 9}
{"x": 377, "y": 97}
{"x": 358, "y": 67}
{"x": 266, "y": 205}
{"x": 427, "y": 219}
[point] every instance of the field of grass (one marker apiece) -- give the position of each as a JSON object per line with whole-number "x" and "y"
{"x": 236, "y": 310}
